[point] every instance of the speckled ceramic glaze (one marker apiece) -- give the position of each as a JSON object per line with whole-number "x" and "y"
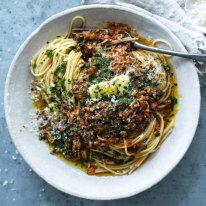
{"x": 68, "y": 178}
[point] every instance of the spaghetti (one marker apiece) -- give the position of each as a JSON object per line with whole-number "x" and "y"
{"x": 101, "y": 102}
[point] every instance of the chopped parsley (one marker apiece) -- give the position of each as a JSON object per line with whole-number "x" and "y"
{"x": 101, "y": 75}
{"x": 34, "y": 66}
{"x": 146, "y": 81}
{"x": 85, "y": 66}
{"x": 117, "y": 158}
{"x": 80, "y": 38}
{"x": 70, "y": 94}
{"x": 157, "y": 134}
{"x": 44, "y": 90}
{"x": 57, "y": 91}
{"x": 49, "y": 53}
{"x": 167, "y": 68}
{"x": 125, "y": 102}
{"x": 61, "y": 68}
{"x": 102, "y": 62}
{"x": 160, "y": 92}
{"x": 173, "y": 102}
{"x": 102, "y": 72}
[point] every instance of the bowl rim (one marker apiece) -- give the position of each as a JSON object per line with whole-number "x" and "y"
{"x": 6, "y": 101}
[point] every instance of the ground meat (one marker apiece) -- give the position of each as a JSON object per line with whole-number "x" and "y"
{"x": 106, "y": 119}
{"x": 79, "y": 89}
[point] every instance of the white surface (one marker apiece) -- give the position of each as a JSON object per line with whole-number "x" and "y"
{"x": 67, "y": 178}
{"x": 196, "y": 9}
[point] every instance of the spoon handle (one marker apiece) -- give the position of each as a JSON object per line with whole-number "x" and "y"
{"x": 197, "y": 57}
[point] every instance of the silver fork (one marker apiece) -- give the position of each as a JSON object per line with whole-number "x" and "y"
{"x": 137, "y": 45}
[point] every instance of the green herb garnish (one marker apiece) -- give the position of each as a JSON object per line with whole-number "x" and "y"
{"x": 70, "y": 94}
{"x": 157, "y": 134}
{"x": 101, "y": 65}
{"x": 49, "y": 53}
{"x": 85, "y": 66}
{"x": 61, "y": 68}
{"x": 160, "y": 92}
{"x": 34, "y": 66}
{"x": 125, "y": 102}
{"x": 102, "y": 62}
{"x": 173, "y": 102}
{"x": 167, "y": 68}
{"x": 80, "y": 38}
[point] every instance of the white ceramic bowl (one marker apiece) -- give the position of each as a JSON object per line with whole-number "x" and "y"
{"x": 70, "y": 179}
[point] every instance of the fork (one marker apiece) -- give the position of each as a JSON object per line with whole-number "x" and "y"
{"x": 137, "y": 45}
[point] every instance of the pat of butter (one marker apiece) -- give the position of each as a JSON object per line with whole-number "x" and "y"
{"x": 116, "y": 86}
